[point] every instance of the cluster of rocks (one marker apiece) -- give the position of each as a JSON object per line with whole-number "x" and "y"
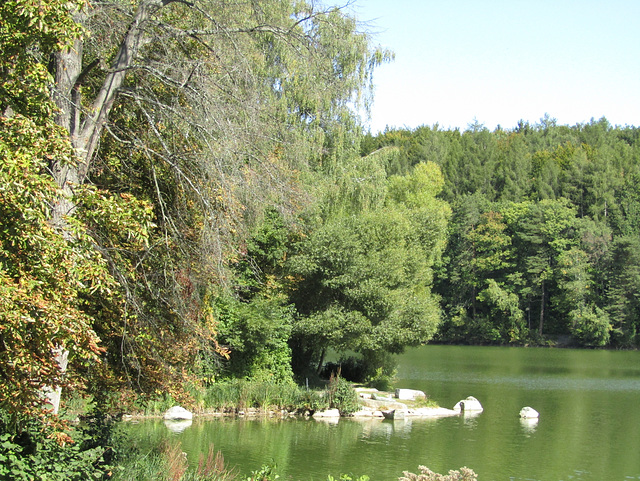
{"x": 375, "y": 404}
{"x": 399, "y": 405}
{"x": 390, "y": 406}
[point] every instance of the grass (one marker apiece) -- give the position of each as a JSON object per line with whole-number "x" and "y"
{"x": 169, "y": 463}
{"x": 238, "y": 395}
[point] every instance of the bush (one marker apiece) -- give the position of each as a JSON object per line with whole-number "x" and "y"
{"x": 349, "y": 477}
{"x": 591, "y": 327}
{"x": 32, "y": 452}
{"x": 313, "y": 401}
{"x": 342, "y": 396}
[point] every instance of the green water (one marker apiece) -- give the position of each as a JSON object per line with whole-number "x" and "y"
{"x": 589, "y": 426}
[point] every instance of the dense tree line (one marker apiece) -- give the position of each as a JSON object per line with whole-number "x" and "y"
{"x": 140, "y": 144}
{"x": 544, "y": 237}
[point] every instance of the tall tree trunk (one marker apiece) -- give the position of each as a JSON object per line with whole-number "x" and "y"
{"x": 85, "y": 126}
{"x": 541, "y": 310}
{"x": 86, "y": 123}
{"x": 321, "y": 361}
{"x": 473, "y": 302}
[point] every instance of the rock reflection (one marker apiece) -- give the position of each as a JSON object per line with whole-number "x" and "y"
{"x": 178, "y": 426}
{"x": 529, "y": 425}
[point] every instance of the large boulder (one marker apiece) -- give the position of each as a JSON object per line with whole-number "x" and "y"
{"x": 529, "y": 413}
{"x": 468, "y": 405}
{"x": 409, "y": 394}
{"x": 177, "y": 413}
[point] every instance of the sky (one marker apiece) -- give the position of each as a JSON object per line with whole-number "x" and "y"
{"x": 497, "y": 62}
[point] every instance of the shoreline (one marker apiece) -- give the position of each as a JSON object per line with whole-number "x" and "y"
{"x": 374, "y": 404}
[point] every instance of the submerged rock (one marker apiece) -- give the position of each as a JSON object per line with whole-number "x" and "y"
{"x": 382, "y": 404}
{"x": 529, "y": 425}
{"x": 367, "y": 412}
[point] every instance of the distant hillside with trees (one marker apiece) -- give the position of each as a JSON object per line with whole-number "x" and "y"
{"x": 544, "y": 239}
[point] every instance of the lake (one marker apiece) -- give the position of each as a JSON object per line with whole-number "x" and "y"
{"x": 589, "y": 426}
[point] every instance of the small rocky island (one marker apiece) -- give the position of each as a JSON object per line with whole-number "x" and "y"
{"x": 403, "y": 403}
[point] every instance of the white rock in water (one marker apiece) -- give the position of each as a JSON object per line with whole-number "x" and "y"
{"x": 529, "y": 413}
{"x": 409, "y": 394}
{"x": 468, "y": 405}
{"x": 177, "y": 413}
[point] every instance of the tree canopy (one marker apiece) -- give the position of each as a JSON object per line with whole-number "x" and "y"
{"x": 140, "y": 142}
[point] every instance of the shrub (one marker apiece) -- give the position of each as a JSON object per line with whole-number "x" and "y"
{"x": 312, "y": 401}
{"x": 266, "y": 473}
{"x": 33, "y": 452}
{"x": 342, "y": 396}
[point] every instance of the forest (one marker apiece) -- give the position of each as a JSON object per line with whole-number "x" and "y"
{"x": 542, "y": 242}
{"x": 188, "y": 195}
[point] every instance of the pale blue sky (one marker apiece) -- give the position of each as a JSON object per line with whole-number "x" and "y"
{"x": 499, "y": 61}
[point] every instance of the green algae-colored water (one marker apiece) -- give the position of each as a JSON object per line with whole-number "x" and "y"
{"x": 589, "y": 426}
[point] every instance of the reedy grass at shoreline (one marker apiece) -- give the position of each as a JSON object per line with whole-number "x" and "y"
{"x": 238, "y": 395}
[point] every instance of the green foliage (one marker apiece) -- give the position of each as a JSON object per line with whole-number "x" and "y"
{"x": 265, "y": 473}
{"x": 355, "y": 184}
{"x": 42, "y": 274}
{"x": 31, "y": 31}
{"x": 463, "y": 474}
{"x": 167, "y": 462}
{"x": 32, "y": 453}
{"x": 349, "y": 477}
{"x": 52, "y": 275}
{"x": 590, "y": 326}
{"x": 365, "y": 280}
{"x": 623, "y": 294}
{"x": 49, "y": 461}
{"x": 241, "y": 394}
{"x": 419, "y": 189}
{"x": 80, "y": 263}
{"x": 539, "y": 212}
{"x": 373, "y": 368}
{"x": 342, "y": 396}
{"x": 256, "y": 334}
{"x": 504, "y": 313}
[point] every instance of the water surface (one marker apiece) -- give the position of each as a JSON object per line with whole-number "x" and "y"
{"x": 589, "y": 426}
